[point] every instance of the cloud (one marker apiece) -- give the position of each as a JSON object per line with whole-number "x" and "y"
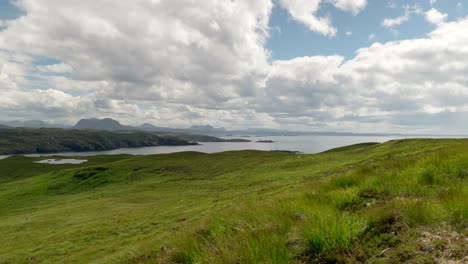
{"x": 305, "y": 12}
{"x": 408, "y": 11}
{"x": 352, "y": 6}
{"x": 392, "y": 22}
{"x": 159, "y": 50}
{"x": 384, "y": 86}
{"x": 154, "y": 61}
{"x": 435, "y": 17}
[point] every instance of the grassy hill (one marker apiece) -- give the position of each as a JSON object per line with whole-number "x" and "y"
{"x": 52, "y": 140}
{"x": 401, "y": 201}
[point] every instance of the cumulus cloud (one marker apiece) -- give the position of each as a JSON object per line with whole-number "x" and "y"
{"x": 150, "y": 49}
{"x": 385, "y": 81}
{"x": 435, "y": 17}
{"x": 305, "y": 11}
{"x": 153, "y": 61}
{"x": 352, "y": 6}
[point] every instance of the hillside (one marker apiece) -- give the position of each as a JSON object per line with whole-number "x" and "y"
{"x": 52, "y": 140}
{"x": 400, "y": 201}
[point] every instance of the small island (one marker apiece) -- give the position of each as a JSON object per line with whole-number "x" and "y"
{"x": 264, "y": 141}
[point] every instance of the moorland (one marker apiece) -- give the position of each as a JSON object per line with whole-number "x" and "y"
{"x": 400, "y": 201}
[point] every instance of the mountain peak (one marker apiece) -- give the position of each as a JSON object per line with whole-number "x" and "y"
{"x": 100, "y": 124}
{"x": 148, "y": 126}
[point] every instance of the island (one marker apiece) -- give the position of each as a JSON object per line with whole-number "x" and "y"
{"x": 264, "y": 141}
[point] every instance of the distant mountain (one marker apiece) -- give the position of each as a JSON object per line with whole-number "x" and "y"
{"x": 31, "y": 124}
{"x": 148, "y": 126}
{"x": 207, "y": 128}
{"x": 107, "y": 124}
{"x": 113, "y": 125}
{"x": 2, "y": 126}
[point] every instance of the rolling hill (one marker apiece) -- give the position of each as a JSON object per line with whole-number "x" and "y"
{"x": 400, "y": 201}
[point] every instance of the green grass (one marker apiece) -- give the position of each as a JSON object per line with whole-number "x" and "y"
{"x": 403, "y": 200}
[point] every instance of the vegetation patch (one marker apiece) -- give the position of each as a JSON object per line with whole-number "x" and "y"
{"x": 89, "y": 173}
{"x": 397, "y": 202}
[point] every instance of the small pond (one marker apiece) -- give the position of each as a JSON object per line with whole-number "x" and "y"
{"x": 61, "y": 161}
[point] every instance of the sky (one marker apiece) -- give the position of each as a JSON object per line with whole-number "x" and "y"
{"x": 310, "y": 65}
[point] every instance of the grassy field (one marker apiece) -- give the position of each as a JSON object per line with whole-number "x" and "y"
{"x": 401, "y": 201}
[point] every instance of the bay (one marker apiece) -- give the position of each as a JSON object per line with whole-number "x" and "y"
{"x": 303, "y": 144}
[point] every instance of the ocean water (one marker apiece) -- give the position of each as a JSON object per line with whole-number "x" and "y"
{"x": 304, "y": 144}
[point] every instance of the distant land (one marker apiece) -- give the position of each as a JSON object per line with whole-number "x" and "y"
{"x": 108, "y": 124}
{"x": 53, "y": 140}
{"x": 32, "y": 124}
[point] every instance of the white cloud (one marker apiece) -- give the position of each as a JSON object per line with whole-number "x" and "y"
{"x": 352, "y": 6}
{"x": 371, "y": 36}
{"x": 349, "y": 33}
{"x": 392, "y": 22}
{"x": 435, "y": 17}
{"x": 389, "y": 83}
{"x": 432, "y": 2}
{"x": 305, "y": 12}
{"x": 408, "y": 11}
{"x": 206, "y": 63}
{"x": 155, "y": 52}
{"x": 150, "y": 49}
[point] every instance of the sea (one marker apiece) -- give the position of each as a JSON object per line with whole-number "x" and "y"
{"x": 303, "y": 144}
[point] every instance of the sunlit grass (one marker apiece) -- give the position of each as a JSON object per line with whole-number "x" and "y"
{"x": 344, "y": 205}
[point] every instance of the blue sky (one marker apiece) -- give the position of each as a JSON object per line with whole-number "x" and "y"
{"x": 290, "y": 39}
{"x": 8, "y": 10}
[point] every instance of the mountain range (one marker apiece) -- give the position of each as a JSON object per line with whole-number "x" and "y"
{"x": 31, "y": 124}
{"x": 108, "y": 124}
